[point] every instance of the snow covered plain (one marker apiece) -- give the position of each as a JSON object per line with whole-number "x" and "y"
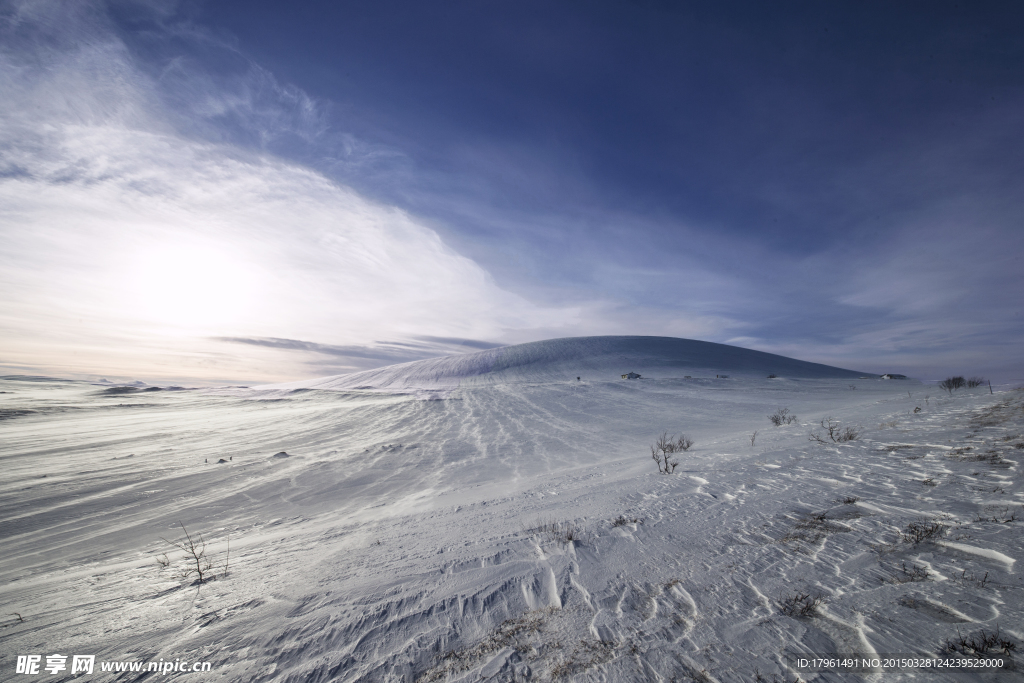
{"x": 516, "y": 529}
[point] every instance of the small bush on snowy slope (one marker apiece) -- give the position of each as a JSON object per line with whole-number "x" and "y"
{"x": 848, "y": 434}
{"x": 782, "y": 417}
{"x": 559, "y": 532}
{"x": 919, "y": 532}
{"x": 905, "y": 575}
{"x": 622, "y": 520}
{"x": 196, "y": 561}
{"x": 951, "y": 384}
{"x": 832, "y": 430}
{"x": 980, "y": 644}
{"x": 666, "y": 446}
{"x": 801, "y": 605}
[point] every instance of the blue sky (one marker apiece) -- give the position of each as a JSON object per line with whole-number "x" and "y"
{"x": 222, "y": 191}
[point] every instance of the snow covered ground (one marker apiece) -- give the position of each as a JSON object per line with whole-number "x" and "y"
{"x": 518, "y": 529}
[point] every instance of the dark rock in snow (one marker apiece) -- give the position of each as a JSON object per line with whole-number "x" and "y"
{"x": 116, "y": 391}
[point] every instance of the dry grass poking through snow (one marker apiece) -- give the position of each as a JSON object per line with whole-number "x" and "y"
{"x": 558, "y": 532}
{"x": 904, "y": 574}
{"x": 536, "y": 638}
{"x": 810, "y": 529}
{"x": 515, "y": 634}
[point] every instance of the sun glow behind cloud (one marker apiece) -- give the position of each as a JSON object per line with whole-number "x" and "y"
{"x": 134, "y": 248}
{"x": 190, "y": 286}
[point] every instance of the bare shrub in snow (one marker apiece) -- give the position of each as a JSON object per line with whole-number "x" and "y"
{"x": 980, "y": 644}
{"x": 1006, "y": 517}
{"x": 908, "y": 575}
{"x": 831, "y": 427}
{"x": 782, "y": 417}
{"x": 847, "y": 434}
{"x": 753, "y": 437}
{"x": 801, "y": 605}
{"x": 821, "y": 522}
{"x": 834, "y": 432}
{"x": 951, "y": 384}
{"x": 622, "y": 520}
{"x": 560, "y": 532}
{"x": 665, "y": 448}
{"x": 196, "y": 562}
{"x": 963, "y": 579}
{"x": 991, "y": 457}
{"x": 919, "y": 532}
{"x": 975, "y": 382}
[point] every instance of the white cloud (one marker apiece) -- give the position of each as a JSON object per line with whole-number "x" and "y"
{"x": 128, "y": 246}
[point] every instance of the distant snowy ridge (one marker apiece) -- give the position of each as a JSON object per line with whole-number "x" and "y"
{"x": 590, "y": 358}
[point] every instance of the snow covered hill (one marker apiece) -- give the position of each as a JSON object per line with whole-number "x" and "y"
{"x": 590, "y": 358}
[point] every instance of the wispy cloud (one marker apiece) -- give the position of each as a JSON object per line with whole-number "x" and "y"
{"x": 354, "y": 357}
{"x": 129, "y": 245}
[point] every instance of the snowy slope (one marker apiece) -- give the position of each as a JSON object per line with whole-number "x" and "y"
{"x": 591, "y": 358}
{"x": 513, "y": 531}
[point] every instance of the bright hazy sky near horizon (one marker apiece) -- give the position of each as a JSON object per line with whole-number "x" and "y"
{"x": 209, "y": 192}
